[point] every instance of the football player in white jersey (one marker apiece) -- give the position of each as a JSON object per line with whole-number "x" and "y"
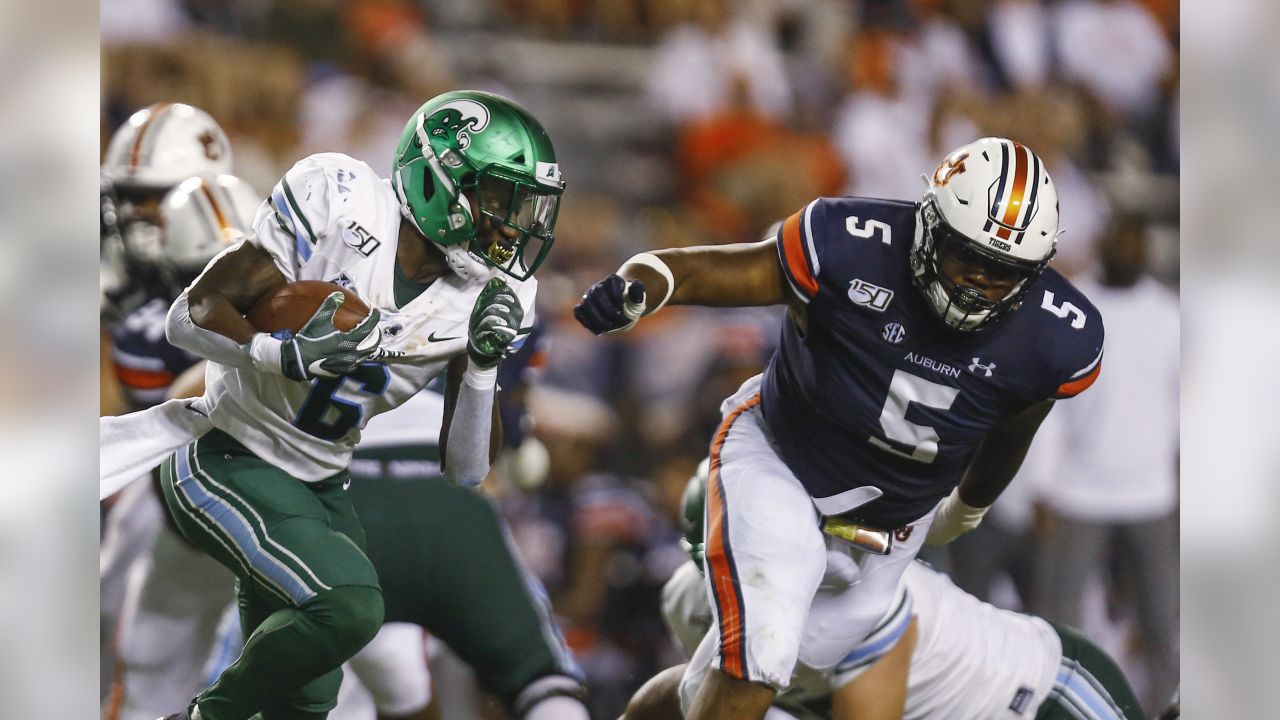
{"x": 939, "y": 653}
{"x": 473, "y": 196}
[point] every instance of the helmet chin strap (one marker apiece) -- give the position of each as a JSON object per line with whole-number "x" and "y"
{"x": 464, "y": 264}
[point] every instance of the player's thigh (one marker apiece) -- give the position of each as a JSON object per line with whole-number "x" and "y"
{"x": 859, "y": 591}
{"x": 764, "y": 552}
{"x": 283, "y": 538}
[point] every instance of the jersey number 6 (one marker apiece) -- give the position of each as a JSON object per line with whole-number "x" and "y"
{"x": 329, "y": 417}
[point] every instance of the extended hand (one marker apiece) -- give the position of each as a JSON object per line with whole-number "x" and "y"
{"x": 611, "y": 306}
{"x": 495, "y": 321}
{"x": 322, "y": 350}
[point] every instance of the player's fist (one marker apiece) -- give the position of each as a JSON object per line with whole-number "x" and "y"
{"x": 495, "y": 321}
{"x": 322, "y": 350}
{"x": 611, "y": 306}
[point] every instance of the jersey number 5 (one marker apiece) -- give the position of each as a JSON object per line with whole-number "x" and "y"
{"x": 868, "y": 229}
{"x": 1065, "y": 310}
{"x": 328, "y": 416}
{"x": 905, "y": 438}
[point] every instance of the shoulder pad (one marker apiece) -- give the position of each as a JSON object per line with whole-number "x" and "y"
{"x": 312, "y": 204}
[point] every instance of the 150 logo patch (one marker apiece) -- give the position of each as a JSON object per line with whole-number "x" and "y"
{"x": 864, "y": 293}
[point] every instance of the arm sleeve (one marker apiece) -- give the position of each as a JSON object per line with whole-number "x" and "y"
{"x": 466, "y": 460}
{"x": 182, "y": 332}
{"x": 800, "y": 249}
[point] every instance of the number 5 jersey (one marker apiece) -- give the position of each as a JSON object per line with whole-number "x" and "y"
{"x": 874, "y": 393}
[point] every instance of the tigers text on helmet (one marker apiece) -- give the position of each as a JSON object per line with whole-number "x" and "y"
{"x": 161, "y": 145}
{"x": 492, "y": 149}
{"x": 991, "y": 204}
{"x": 202, "y": 216}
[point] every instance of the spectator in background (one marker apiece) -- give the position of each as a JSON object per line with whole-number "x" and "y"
{"x": 1117, "y": 478}
{"x": 1117, "y": 51}
{"x": 1021, "y": 43}
{"x": 701, "y": 66}
{"x": 881, "y": 133}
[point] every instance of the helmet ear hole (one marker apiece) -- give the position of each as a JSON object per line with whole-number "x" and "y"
{"x": 428, "y": 185}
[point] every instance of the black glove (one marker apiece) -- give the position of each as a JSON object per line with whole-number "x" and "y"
{"x": 611, "y": 306}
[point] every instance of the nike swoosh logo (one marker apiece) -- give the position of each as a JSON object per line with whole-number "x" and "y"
{"x": 432, "y": 338}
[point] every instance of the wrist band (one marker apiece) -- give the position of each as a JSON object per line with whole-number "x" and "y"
{"x": 653, "y": 262}
{"x": 264, "y": 351}
{"x": 480, "y": 378}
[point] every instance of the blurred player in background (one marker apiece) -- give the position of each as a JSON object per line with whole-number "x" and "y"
{"x": 173, "y": 595}
{"x": 910, "y": 358}
{"x": 143, "y": 270}
{"x": 474, "y": 195}
{"x": 445, "y": 560}
{"x": 939, "y": 652}
{"x": 157, "y": 148}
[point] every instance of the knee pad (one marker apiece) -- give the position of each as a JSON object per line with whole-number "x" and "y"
{"x": 552, "y": 697}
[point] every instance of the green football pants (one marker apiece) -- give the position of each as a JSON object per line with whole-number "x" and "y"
{"x": 445, "y": 563}
{"x": 1089, "y": 686}
{"x": 309, "y": 597}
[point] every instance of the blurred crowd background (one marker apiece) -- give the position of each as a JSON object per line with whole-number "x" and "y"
{"x": 682, "y": 122}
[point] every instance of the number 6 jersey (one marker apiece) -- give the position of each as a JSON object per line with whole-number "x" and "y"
{"x": 332, "y": 218}
{"x": 876, "y": 391}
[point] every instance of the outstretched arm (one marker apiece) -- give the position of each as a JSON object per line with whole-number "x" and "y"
{"x": 737, "y": 275}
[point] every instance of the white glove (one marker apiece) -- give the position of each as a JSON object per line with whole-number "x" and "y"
{"x": 952, "y": 518}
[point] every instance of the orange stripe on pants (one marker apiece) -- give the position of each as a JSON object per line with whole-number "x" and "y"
{"x": 720, "y": 565}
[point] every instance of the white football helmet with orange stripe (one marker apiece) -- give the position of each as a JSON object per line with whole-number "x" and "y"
{"x": 991, "y": 202}
{"x": 201, "y": 217}
{"x": 163, "y": 144}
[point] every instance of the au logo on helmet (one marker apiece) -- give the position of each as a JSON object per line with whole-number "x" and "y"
{"x": 459, "y": 118}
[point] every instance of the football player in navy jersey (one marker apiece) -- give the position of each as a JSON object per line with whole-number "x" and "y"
{"x": 926, "y": 342}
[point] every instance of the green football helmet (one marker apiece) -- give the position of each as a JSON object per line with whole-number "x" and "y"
{"x": 693, "y": 508}
{"x": 485, "y": 145}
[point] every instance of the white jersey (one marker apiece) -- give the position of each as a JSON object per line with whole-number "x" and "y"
{"x": 332, "y": 218}
{"x": 972, "y": 661}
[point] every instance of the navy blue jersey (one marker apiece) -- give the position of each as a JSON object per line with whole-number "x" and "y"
{"x": 876, "y": 391}
{"x": 145, "y": 363}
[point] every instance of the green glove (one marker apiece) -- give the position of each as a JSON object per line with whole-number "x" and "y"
{"x": 495, "y": 320}
{"x": 322, "y": 350}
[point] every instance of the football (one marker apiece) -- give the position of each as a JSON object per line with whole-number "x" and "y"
{"x": 293, "y": 304}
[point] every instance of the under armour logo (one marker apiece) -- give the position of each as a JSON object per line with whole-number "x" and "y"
{"x": 977, "y": 365}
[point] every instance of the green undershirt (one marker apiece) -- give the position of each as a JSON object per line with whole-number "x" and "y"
{"x": 406, "y": 289}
